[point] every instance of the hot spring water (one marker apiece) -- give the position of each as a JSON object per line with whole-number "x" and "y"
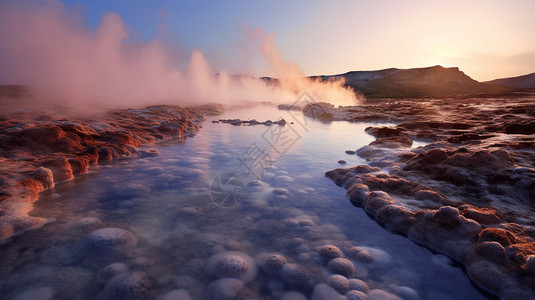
{"x": 198, "y": 213}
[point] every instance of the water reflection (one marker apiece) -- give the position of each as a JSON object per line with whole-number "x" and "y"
{"x": 184, "y": 245}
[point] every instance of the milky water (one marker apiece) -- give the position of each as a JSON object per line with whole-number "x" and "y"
{"x": 181, "y": 217}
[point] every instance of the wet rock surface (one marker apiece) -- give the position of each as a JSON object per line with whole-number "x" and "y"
{"x": 39, "y": 149}
{"x": 253, "y": 122}
{"x": 466, "y": 192}
{"x": 187, "y": 247}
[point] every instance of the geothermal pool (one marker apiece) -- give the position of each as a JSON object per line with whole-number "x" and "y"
{"x": 215, "y": 207}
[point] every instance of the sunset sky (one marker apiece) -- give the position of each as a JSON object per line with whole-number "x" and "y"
{"x": 485, "y": 39}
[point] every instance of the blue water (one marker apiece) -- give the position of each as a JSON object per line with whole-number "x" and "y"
{"x": 172, "y": 204}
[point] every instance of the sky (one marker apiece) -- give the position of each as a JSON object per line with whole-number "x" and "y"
{"x": 485, "y": 39}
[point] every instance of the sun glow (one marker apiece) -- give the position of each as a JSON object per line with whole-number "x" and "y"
{"x": 444, "y": 51}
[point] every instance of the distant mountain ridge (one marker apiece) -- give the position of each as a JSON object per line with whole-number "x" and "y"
{"x": 436, "y": 81}
{"x": 519, "y": 82}
{"x": 433, "y": 81}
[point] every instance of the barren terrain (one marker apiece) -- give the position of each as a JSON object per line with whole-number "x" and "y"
{"x": 468, "y": 193}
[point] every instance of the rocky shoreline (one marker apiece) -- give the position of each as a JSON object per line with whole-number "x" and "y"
{"x": 468, "y": 193}
{"x": 40, "y": 149}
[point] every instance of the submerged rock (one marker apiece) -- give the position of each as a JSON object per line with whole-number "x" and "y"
{"x": 134, "y": 285}
{"x": 107, "y": 244}
{"x": 328, "y": 252}
{"x": 360, "y": 254}
{"x": 205, "y": 243}
{"x": 358, "y": 285}
{"x": 325, "y": 292}
{"x": 341, "y": 266}
{"x": 296, "y": 274}
{"x": 280, "y": 191}
{"x": 271, "y": 263}
{"x": 232, "y": 264}
{"x": 377, "y": 294}
{"x": 339, "y": 283}
{"x": 283, "y": 179}
{"x": 356, "y": 295}
{"x": 381, "y": 259}
{"x": 257, "y": 185}
{"x": 109, "y": 239}
{"x": 406, "y": 293}
{"x": 223, "y": 289}
{"x": 110, "y": 271}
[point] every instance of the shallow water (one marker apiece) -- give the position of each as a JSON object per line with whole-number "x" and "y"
{"x": 180, "y": 216}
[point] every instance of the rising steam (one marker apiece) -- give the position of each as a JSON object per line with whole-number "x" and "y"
{"x": 49, "y": 49}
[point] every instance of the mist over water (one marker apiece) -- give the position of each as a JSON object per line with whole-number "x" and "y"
{"x": 63, "y": 60}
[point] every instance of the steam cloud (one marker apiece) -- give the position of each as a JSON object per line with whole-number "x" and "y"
{"x": 49, "y": 49}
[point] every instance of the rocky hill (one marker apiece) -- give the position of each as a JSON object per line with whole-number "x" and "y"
{"x": 417, "y": 82}
{"x": 520, "y": 82}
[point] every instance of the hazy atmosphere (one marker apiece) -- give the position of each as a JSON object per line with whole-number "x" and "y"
{"x": 486, "y": 39}
{"x": 138, "y": 52}
{"x": 267, "y": 150}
